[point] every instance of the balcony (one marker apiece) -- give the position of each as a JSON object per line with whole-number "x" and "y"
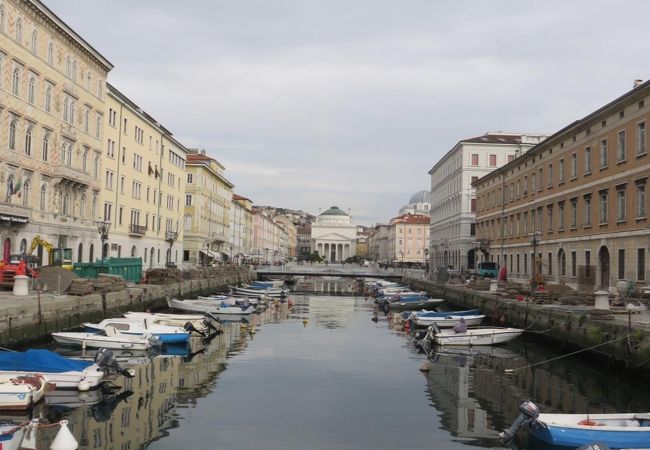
{"x": 137, "y": 230}
{"x": 171, "y": 236}
{"x": 73, "y": 176}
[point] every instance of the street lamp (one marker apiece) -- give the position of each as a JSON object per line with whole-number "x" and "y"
{"x": 103, "y": 227}
{"x": 476, "y": 245}
{"x": 401, "y": 252}
{"x": 426, "y": 262}
{"x": 534, "y": 240}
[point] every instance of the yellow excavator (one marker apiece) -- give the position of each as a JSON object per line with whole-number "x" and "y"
{"x": 57, "y": 256}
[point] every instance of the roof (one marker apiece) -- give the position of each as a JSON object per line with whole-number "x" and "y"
{"x": 239, "y": 197}
{"x": 421, "y": 197}
{"x": 574, "y": 127}
{"x": 412, "y": 219}
{"x": 334, "y": 211}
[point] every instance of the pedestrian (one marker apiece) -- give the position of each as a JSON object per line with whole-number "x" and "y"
{"x": 461, "y": 326}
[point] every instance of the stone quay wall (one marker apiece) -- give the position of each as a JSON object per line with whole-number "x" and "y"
{"x": 32, "y": 318}
{"x": 566, "y": 328}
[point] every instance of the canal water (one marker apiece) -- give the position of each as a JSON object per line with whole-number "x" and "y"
{"x": 324, "y": 375}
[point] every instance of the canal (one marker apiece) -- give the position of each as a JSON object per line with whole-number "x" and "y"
{"x": 323, "y": 375}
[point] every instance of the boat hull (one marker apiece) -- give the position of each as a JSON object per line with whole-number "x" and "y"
{"x": 448, "y": 321}
{"x": 91, "y": 340}
{"x": 408, "y": 306}
{"x": 574, "y": 435}
{"x": 208, "y": 306}
{"x": 21, "y": 393}
{"x": 487, "y": 336}
{"x": 90, "y": 378}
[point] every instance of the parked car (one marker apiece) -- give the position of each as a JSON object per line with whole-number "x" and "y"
{"x": 488, "y": 269}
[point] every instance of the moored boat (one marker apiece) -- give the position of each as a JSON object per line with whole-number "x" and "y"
{"x": 21, "y": 392}
{"x": 447, "y": 321}
{"x": 475, "y": 336}
{"x": 109, "y": 339}
{"x": 141, "y": 327}
{"x": 209, "y": 306}
{"x": 410, "y": 305}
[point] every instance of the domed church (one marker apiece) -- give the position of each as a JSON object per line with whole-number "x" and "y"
{"x": 334, "y": 235}
{"x": 420, "y": 203}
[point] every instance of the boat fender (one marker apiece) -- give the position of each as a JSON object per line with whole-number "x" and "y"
{"x": 83, "y": 386}
{"x": 64, "y": 440}
{"x": 590, "y": 423}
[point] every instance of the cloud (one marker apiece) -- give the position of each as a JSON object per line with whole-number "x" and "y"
{"x": 311, "y": 103}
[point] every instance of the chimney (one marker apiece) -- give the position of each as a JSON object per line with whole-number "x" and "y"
{"x": 637, "y": 83}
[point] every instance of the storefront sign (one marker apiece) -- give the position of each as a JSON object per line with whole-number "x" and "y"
{"x": 12, "y": 218}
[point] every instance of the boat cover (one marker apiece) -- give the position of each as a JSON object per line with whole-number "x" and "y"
{"x": 40, "y": 361}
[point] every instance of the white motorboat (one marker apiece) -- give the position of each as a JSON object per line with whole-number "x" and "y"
{"x": 231, "y": 300}
{"x": 209, "y": 306}
{"x": 64, "y": 373}
{"x": 257, "y": 293}
{"x": 447, "y": 321}
{"x": 141, "y": 327}
{"x": 475, "y": 336}
{"x": 21, "y": 392}
{"x": 11, "y": 436}
{"x": 109, "y": 339}
{"x": 172, "y": 320}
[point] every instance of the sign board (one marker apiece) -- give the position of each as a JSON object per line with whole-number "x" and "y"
{"x": 12, "y": 218}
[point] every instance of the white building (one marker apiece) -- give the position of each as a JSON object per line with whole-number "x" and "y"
{"x": 334, "y": 235}
{"x": 453, "y": 199}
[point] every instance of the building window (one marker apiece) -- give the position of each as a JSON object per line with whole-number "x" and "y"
{"x": 574, "y": 166}
{"x": 549, "y": 224}
{"x": 587, "y": 264}
{"x": 66, "y": 108}
{"x": 621, "y": 264}
{"x": 640, "y": 264}
{"x": 493, "y": 160}
{"x": 620, "y": 204}
{"x": 587, "y": 160}
{"x": 82, "y": 206}
{"x": 621, "y": 146}
{"x": 12, "y": 134}
{"x": 603, "y": 207}
{"x": 640, "y": 139}
{"x": 533, "y": 182}
{"x": 74, "y": 70}
{"x": 15, "y": 82}
{"x": 574, "y": 263}
{"x": 31, "y": 91}
{"x": 34, "y": 41}
{"x": 46, "y": 146}
{"x": 189, "y": 178}
{"x": 574, "y": 213}
{"x": 560, "y": 215}
{"x": 587, "y": 208}
{"x": 188, "y": 199}
{"x": 550, "y": 263}
{"x": 50, "y": 54}
{"x": 549, "y": 175}
{"x": 86, "y": 119}
{"x": 48, "y": 99}
{"x": 26, "y": 192}
{"x": 561, "y": 175}
{"x": 28, "y": 141}
{"x": 604, "y": 158}
{"x": 96, "y": 167}
{"x": 43, "y": 199}
{"x": 511, "y": 158}
{"x": 640, "y": 200}
{"x": 19, "y": 31}
{"x": 475, "y": 159}
{"x": 474, "y": 179}
{"x": 473, "y": 205}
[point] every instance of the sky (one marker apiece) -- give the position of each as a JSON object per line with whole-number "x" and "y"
{"x": 310, "y": 104}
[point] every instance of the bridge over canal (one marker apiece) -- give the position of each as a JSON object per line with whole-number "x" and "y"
{"x": 334, "y": 270}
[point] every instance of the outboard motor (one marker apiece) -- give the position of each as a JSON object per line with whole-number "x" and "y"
{"x": 191, "y": 329}
{"x": 209, "y": 326}
{"x": 529, "y": 412}
{"x": 106, "y": 360}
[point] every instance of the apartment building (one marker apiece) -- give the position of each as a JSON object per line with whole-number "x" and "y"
{"x": 574, "y": 208}
{"x": 143, "y": 191}
{"x": 241, "y": 228}
{"x": 51, "y": 132}
{"x": 408, "y": 240}
{"x": 453, "y": 200}
{"x": 208, "y": 200}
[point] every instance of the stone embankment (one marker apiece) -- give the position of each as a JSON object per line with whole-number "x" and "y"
{"x": 618, "y": 337}
{"x": 32, "y": 317}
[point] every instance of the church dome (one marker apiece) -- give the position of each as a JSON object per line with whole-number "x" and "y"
{"x": 421, "y": 197}
{"x": 334, "y": 211}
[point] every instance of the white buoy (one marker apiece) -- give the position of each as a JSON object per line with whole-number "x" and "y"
{"x": 29, "y": 440}
{"x": 83, "y": 386}
{"x": 64, "y": 440}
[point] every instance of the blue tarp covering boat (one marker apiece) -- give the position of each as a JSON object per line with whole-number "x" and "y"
{"x": 40, "y": 361}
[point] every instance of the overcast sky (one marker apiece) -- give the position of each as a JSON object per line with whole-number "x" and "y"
{"x": 310, "y": 104}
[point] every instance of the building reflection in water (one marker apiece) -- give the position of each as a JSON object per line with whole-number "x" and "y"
{"x": 476, "y": 398}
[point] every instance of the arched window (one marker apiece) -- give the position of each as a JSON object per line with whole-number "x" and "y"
{"x": 50, "y": 54}
{"x": 72, "y": 107}
{"x": 82, "y": 206}
{"x": 98, "y": 129}
{"x": 69, "y": 154}
{"x": 26, "y": 192}
{"x": 34, "y": 41}
{"x": 28, "y": 141}
{"x": 94, "y": 207}
{"x": 66, "y": 203}
{"x": 15, "y": 82}
{"x": 74, "y": 70}
{"x": 84, "y": 162}
{"x": 19, "y": 31}
{"x": 91, "y": 252}
{"x": 12, "y": 134}
{"x": 68, "y": 67}
{"x": 31, "y": 91}
{"x": 86, "y": 120}
{"x": 23, "y": 246}
{"x": 66, "y": 109}
{"x": 96, "y": 167}
{"x": 80, "y": 253}
{"x": 2, "y": 18}
{"x": 134, "y": 251}
{"x": 63, "y": 152}
{"x": 46, "y": 146}
{"x": 43, "y": 199}
{"x": 145, "y": 254}
{"x": 48, "y": 99}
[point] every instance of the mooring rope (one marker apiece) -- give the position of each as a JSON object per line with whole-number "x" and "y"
{"x": 564, "y": 356}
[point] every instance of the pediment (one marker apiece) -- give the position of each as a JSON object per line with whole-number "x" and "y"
{"x": 333, "y": 237}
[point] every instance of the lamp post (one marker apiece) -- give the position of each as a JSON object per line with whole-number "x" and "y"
{"x": 258, "y": 256}
{"x": 103, "y": 228}
{"x": 401, "y": 252}
{"x": 426, "y": 262}
{"x": 230, "y": 257}
{"x": 534, "y": 237}
{"x": 266, "y": 259}
{"x": 476, "y": 245}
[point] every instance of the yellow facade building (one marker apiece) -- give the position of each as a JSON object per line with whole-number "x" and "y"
{"x": 52, "y": 103}
{"x": 208, "y": 200}
{"x": 143, "y": 185}
{"x": 241, "y": 229}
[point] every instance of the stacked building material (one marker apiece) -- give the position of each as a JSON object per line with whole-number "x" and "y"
{"x": 81, "y": 286}
{"x": 163, "y": 276}
{"x": 101, "y": 285}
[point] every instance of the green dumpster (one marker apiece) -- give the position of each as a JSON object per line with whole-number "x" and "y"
{"x": 128, "y": 268}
